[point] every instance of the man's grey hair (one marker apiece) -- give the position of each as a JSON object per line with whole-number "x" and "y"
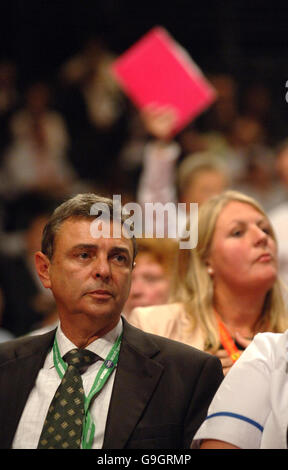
{"x": 77, "y": 207}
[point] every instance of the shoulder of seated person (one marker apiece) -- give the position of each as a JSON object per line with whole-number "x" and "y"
{"x": 165, "y": 309}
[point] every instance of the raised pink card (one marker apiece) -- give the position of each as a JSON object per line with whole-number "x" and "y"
{"x": 157, "y": 70}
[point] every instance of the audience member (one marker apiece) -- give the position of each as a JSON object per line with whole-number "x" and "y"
{"x": 257, "y": 177}
{"x": 259, "y": 101}
{"x": 226, "y": 289}
{"x": 154, "y": 125}
{"x": 279, "y": 214}
{"x": 36, "y": 158}
{"x": 198, "y": 176}
{"x": 150, "y": 281}
{"x": 211, "y": 131}
{"x": 260, "y": 179}
{"x": 168, "y": 386}
{"x": 241, "y": 137}
{"x": 9, "y": 97}
{"x": 249, "y": 410}
{"x": 201, "y": 176}
{"x": 26, "y": 303}
{"x": 95, "y": 111}
{"x": 152, "y": 273}
{"x": 281, "y": 164}
{"x": 8, "y": 87}
{"x": 5, "y": 335}
{"x": 226, "y": 108}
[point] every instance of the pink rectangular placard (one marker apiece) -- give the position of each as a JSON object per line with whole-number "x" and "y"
{"x": 157, "y": 70}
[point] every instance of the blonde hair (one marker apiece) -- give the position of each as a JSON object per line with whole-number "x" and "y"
{"x": 193, "y": 285}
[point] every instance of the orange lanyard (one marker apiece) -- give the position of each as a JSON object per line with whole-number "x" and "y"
{"x": 227, "y": 341}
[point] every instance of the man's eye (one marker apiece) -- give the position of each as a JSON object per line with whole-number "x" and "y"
{"x": 120, "y": 259}
{"x": 83, "y": 255}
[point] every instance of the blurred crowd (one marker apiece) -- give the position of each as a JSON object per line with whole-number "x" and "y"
{"x": 78, "y": 132}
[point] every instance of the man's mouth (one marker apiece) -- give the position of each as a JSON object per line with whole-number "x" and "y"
{"x": 101, "y": 293}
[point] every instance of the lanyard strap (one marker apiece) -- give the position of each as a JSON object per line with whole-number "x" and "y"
{"x": 102, "y": 376}
{"x": 227, "y": 341}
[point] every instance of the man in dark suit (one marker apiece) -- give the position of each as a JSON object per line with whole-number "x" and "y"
{"x": 140, "y": 390}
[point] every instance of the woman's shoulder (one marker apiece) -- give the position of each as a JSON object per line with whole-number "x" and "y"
{"x": 168, "y": 311}
{"x": 170, "y": 321}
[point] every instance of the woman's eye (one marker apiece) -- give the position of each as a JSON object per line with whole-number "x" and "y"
{"x": 267, "y": 230}
{"x": 237, "y": 233}
{"x": 151, "y": 279}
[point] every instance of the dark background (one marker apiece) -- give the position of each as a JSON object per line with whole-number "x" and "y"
{"x": 238, "y": 36}
{"x": 246, "y": 39}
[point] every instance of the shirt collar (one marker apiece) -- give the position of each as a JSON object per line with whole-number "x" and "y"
{"x": 101, "y": 346}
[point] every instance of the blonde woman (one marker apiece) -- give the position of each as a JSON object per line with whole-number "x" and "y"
{"x": 226, "y": 289}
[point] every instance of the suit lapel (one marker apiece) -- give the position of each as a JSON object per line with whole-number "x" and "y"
{"x": 136, "y": 378}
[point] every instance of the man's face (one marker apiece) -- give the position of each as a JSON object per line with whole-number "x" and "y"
{"x": 87, "y": 275}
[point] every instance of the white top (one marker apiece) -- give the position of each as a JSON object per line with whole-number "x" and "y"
{"x": 48, "y": 380}
{"x": 157, "y": 180}
{"x": 250, "y": 408}
{"x": 157, "y": 184}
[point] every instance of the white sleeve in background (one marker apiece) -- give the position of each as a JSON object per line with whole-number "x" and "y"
{"x": 157, "y": 181}
{"x": 250, "y": 408}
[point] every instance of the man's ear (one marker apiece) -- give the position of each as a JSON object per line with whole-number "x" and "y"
{"x": 42, "y": 264}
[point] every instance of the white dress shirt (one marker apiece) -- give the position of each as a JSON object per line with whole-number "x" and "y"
{"x": 48, "y": 380}
{"x": 250, "y": 408}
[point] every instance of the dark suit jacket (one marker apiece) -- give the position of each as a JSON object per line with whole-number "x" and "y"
{"x": 160, "y": 397}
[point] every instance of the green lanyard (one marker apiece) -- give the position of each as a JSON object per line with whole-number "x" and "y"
{"x": 101, "y": 378}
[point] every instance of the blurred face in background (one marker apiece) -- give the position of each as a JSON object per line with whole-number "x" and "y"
{"x": 203, "y": 185}
{"x": 33, "y": 235}
{"x": 150, "y": 284}
{"x": 282, "y": 166}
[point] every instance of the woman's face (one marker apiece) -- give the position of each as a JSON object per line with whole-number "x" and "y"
{"x": 206, "y": 184}
{"x": 150, "y": 284}
{"x": 243, "y": 253}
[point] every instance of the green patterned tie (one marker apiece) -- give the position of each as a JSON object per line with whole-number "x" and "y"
{"x": 64, "y": 421}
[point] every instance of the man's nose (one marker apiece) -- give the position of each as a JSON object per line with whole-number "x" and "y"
{"x": 102, "y": 268}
